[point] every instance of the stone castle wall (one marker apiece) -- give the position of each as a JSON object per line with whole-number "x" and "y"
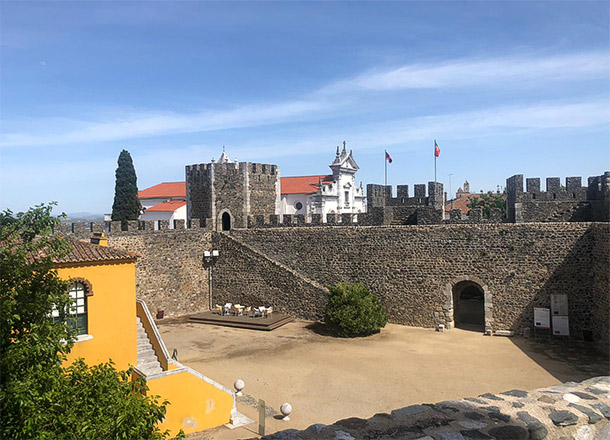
{"x": 169, "y": 272}
{"x": 413, "y": 268}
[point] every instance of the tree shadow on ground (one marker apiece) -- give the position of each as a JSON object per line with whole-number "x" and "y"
{"x": 319, "y": 328}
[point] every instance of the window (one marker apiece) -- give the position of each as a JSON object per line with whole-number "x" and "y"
{"x": 77, "y": 313}
{"x": 346, "y": 198}
{"x": 298, "y": 206}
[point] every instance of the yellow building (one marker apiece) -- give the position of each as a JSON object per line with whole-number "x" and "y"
{"x": 112, "y": 324}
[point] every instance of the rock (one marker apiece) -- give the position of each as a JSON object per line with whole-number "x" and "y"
{"x": 603, "y": 408}
{"x": 474, "y": 415}
{"x": 508, "y": 432}
{"x": 474, "y": 434}
{"x": 585, "y": 433}
{"x": 535, "y": 427}
{"x": 410, "y": 410}
{"x": 584, "y": 395}
{"x": 517, "y": 405}
{"x": 497, "y": 415}
{"x": 342, "y": 435}
{"x": 352, "y": 423}
{"x": 490, "y": 396}
{"x": 451, "y": 436}
{"x": 288, "y": 434}
{"x": 572, "y": 398}
{"x": 593, "y": 416}
{"x": 315, "y": 429}
{"x": 547, "y": 399}
{"x": 454, "y": 405}
{"x": 469, "y": 424}
{"x": 563, "y": 418}
{"x": 515, "y": 393}
{"x": 595, "y": 391}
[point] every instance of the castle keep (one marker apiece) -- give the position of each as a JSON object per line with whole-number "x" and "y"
{"x": 222, "y": 195}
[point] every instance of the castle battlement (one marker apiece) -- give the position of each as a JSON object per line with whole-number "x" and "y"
{"x": 381, "y": 195}
{"x": 570, "y": 202}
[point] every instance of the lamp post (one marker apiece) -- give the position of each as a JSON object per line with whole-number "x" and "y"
{"x": 209, "y": 258}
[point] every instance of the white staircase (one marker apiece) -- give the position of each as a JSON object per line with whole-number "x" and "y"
{"x": 148, "y": 362}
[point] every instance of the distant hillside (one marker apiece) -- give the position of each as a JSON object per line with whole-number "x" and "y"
{"x": 84, "y": 217}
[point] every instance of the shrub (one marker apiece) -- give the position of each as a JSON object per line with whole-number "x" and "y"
{"x": 352, "y": 310}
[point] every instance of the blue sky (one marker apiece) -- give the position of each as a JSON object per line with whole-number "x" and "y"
{"x": 505, "y": 88}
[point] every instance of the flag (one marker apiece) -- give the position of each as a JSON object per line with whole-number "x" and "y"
{"x": 387, "y": 157}
{"x": 437, "y": 151}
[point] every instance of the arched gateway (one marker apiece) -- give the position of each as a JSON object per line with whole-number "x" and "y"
{"x": 469, "y": 303}
{"x": 226, "y": 221}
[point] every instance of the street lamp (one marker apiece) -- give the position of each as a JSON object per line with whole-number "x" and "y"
{"x": 209, "y": 258}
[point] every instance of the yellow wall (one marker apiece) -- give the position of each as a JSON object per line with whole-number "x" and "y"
{"x": 195, "y": 404}
{"x": 111, "y": 313}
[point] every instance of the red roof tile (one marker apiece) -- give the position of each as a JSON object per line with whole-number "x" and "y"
{"x": 169, "y": 206}
{"x": 303, "y": 184}
{"x": 83, "y": 252}
{"x": 165, "y": 189}
{"x": 462, "y": 203}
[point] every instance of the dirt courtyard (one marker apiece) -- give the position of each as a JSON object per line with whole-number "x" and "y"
{"x": 327, "y": 378}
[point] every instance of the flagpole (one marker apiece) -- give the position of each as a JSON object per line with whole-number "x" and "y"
{"x": 434, "y": 160}
{"x": 385, "y": 161}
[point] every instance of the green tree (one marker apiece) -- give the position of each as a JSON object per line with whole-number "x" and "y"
{"x": 126, "y": 204}
{"x": 352, "y": 310}
{"x": 489, "y": 201}
{"x": 41, "y": 397}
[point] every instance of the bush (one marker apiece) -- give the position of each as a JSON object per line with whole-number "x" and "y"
{"x": 352, "y": 310}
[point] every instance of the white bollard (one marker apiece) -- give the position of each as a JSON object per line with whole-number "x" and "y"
{"x": 239, "y": 385}
{"x": 286, "y": 410}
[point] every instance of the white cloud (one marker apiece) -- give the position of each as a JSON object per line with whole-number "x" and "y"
{"x": 475, "y": 72}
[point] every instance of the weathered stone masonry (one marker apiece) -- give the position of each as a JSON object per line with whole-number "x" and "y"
{"x": 411, "y": 268}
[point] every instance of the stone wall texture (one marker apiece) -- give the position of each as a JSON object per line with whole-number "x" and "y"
{"x": 169, "y": 272}
{"x": 412, "y": 269}
{"x": 571, "y": 411}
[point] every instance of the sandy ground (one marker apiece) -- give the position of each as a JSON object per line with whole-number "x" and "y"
{"x": 327, "y": 379}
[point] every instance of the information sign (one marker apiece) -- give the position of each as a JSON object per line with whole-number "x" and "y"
{"x": 559, "y": 304}
{"x": 542, "y": 317}
{"x": 561, "y": 325}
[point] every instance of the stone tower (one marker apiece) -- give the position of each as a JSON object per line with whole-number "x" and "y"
{"x": 226, "y": 192}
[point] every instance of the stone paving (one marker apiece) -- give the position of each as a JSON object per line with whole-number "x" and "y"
{"x": 571, "y": 411}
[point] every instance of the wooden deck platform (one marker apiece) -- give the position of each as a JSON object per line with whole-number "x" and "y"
{"x": 269, "y": 323}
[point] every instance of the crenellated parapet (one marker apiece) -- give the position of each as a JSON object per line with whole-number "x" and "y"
{"x": 85, "y": 229}
{"x": 569, "y": 202}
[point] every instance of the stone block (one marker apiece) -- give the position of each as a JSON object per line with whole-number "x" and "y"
{"x": 194, "y": 223}
{"x": 331, "y": 219}
{"x": 455, "y": 215}
{"x": 133, "y": 225}
{"x": 115, "y": 226}
{"x": 573, "y": 184}
{"x": 346, "y": 219}
{"x": 316, "y": 219}
{"x": 475, "y": 215}
{"x": 553, "y": 184}
{"x": 287, "y": 220}
{"x": 420, "y": 191}
{"x": 79, "y": 228}
{"x": 148, "y": 225}
{"x": 495, "y": 215}
{"x": 299, "y": 219}
{"x": 402, "y": 191}
{"x": 163, "y": 225}
{"x": 532, "y": 185}
{"x": 274, "y": 219}
{"x": 98, "y": 227}
{"x": 179, "y": 224}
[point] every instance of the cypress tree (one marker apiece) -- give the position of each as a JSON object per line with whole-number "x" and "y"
{"x": 126, "y": 204}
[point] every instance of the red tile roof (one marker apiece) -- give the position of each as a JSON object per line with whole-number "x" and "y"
{"x": 303, "y": 184}
{"x": 83, "y": 252}
{"x": 165, "y": 189}
{"x": 462, "y": 203}
{"x": 169, "y": 206}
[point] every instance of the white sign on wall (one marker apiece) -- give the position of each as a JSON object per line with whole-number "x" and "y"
{"x": 561, "y": 326}
{"x": 542, "y": 317}
{"x": 559, "y": 304}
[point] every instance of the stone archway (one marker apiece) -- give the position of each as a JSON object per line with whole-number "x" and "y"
{"x": 226, "y": 221}
{"x": 468, "y": 304}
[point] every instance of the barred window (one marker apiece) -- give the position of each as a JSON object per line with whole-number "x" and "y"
{"x": 77, "y": 311}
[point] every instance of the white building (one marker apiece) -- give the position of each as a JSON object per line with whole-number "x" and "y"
{"x": 334, "y": 193}
{"x": 165, "y": 201}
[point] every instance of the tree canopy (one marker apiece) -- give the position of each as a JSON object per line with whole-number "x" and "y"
{"x": 352, "y": 310}
{"x": 487, "y": 201}
{"x": 40, "y": 396}
{"x": 126, "y": 204}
